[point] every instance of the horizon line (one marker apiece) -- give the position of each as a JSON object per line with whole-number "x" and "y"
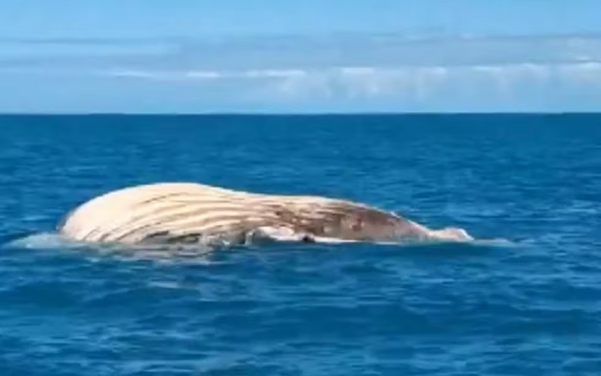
{"x": 316, "y": 113}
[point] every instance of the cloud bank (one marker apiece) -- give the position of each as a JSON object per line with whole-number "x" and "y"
{"x": 418, "y": 82}
{"x": 385, "y": 72}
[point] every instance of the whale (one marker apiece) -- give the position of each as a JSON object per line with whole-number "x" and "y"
{"x": 194, "y": 213}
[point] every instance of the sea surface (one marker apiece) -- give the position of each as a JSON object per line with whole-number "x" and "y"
{"x": 528, "y": 306}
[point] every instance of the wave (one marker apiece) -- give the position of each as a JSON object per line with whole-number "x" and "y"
{"x": 55, "y": 242}
{"x": 50, "y": 241}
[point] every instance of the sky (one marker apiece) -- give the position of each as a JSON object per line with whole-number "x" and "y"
{"x": 270, "y": 56}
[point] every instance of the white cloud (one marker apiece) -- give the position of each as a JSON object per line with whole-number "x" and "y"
{"x": 583, "y": 73}
{"x": 273, "y": 73}
{"x": 207, "y": 75}
{"x": 203, "y": 75}
{"x": 132, "y": 73}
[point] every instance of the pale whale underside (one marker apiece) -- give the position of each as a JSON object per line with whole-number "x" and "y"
{"x": 196, "y": 213}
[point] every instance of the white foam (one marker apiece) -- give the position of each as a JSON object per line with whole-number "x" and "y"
{"x": 422, "y": 242}
{"x": 52, "y": 241}
{"x": 42, "y": 240}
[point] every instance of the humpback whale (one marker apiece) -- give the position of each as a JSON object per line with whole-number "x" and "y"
{"x": 190, "y": 213}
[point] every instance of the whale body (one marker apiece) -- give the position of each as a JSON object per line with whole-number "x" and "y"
{"x": 195, "y": 213}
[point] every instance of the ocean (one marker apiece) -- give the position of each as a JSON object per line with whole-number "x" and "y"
{"x": 528, "y": 306}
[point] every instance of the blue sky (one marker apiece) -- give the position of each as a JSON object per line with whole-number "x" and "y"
{"x": 290, "y": 56}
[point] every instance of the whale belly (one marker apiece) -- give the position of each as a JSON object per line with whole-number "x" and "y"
{"x": 174, "y": 212}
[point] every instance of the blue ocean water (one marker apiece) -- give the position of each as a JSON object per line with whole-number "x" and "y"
{"x": 529, "y": 308}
